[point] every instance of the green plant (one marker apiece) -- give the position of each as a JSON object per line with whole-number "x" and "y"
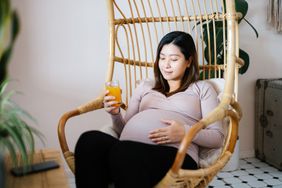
{"x": 16, "y": 136}
{"x": 217, "y": 26}
{"x": 15, "y": 133}
{"x": 9, "y": 29}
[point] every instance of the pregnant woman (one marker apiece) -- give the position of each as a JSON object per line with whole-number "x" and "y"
{"x": 159, "y": 114}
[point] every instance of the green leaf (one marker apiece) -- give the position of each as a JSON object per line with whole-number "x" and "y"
{"x": 3, "y": 132}
{"x": 29, "y": 138}
{"x": 5, "y": 101}
{"x": 3, "y": 86}
{"x": 19, "y": 142}
{"x": 214, "y": 53}
{"x": 220, "y": 59}
{"x": 4, "y": 62}
{"x": 256, "y": 32}
{"x": 4, "y": 10}
{"x": 6, "y": 16}
{"x": 15, "y": 26}
{"x": 15, "y": 133}
{"x": 13, "y": 153}
{"x": 243, "y": 55}
{"x": 241, "y": 6}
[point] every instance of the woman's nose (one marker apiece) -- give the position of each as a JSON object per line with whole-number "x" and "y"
{"x": 167, "y": 63}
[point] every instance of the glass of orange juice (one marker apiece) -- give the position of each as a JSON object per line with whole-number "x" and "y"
{"x": 114, "y": 90}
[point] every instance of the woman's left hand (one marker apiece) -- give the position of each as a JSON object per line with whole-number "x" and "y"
{"x": 173, "y": 133}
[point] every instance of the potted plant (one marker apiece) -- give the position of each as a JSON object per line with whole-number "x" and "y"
{"x": 9, "y": 29}
{"x": 220, "y": 30}
{"x": 16, "y": 135}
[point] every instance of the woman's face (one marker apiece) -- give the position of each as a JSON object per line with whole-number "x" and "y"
{"x": 172, "y": 63}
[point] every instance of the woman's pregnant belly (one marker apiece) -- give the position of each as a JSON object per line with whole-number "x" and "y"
{"x": 140, "y": 125}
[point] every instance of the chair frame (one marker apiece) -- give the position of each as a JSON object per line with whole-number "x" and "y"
{"x": 228, "y": 107}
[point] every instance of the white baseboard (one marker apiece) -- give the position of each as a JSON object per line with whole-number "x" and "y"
{"x": 247, "y": 154}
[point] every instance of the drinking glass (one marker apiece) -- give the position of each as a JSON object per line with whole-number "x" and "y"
{"x": 114, "y": 90}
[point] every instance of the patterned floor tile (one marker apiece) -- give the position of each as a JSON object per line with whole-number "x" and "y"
{"x": 240, "y": 185}
{"x": 225, "y": 175}
{"x": 246, "y": 166}
{"x": 270, "y": 169}
{"x": 232, "y": 180}
{"x": 263, "y": 176}
{"x": 273, "y": 182}
{"x": 252, "y": 173}
{"x": 248, "y": 178}
{"x": 240, "y": 173}
{"x": 257, "y": 184}
{"x": 277, "y": 175}
{"x": 242, "y": 162}
{"x": 215, "y": 182}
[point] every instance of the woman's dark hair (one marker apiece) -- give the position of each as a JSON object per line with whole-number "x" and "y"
{"x": 185, "y": 43}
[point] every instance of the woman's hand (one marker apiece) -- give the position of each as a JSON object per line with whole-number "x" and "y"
{"x": 173, "y": 133}
{"x": 111, "y": 106}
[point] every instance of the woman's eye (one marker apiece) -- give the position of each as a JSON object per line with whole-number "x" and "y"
{"x": 174, "y": 60}
{"x": 162, "y": 58}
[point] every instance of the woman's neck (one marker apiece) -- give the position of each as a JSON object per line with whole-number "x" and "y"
{"x": 173, "y": 85}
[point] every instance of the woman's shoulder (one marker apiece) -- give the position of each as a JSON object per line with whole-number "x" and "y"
{"x": 203, "y": 88}
{"x": 146, "y": 82}
{"x": 144, "y": 85}
{"x": 201, "y": 85}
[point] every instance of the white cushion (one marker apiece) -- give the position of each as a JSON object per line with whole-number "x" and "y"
{"x": 218, "y": 85}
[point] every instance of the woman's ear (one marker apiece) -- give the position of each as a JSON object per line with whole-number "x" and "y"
{"x": 189, "y": 61}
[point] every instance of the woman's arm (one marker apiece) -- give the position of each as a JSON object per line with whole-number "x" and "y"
{"x": 213, "y": 135}
{"x": 133, "y": 108}
{"x": 118, "y": 122}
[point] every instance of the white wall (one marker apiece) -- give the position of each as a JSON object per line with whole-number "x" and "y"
{"x": 265, "y": 62}
{"x": 61, "y": 54}
{"x": 60, "y": 61}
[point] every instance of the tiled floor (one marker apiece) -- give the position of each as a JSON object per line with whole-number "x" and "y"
{"x": 252, "y": 173}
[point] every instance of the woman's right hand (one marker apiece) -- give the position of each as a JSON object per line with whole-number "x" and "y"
{"x": 111, "y": 106}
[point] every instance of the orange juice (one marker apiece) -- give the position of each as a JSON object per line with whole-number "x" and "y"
{"x": 114, "y": 90}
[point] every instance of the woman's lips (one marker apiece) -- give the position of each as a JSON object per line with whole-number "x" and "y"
{"x": 167, "y": 72}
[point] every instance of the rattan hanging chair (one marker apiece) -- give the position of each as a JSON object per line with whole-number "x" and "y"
{"x": 135, "y": 28}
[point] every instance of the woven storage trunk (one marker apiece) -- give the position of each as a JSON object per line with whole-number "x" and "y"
{"x": 268, "y": 121}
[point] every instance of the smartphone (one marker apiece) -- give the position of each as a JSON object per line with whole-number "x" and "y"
{"x": 37, "y": 167}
